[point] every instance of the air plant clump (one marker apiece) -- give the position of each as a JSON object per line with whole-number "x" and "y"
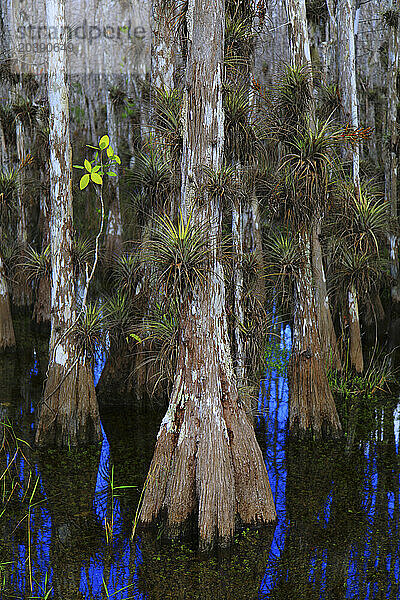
{"x": 118, "y": 96}
{"x": 222, "y": 185}
{"x": 7, "y": 123}
{"x": 9, "y": 186}
{"x": 88, "y": 331}
{"x": 283, "y": 264}
{"x": 119, "y": 319}
{"x": 25, "y": 110}
{"x": 359, "y": 215}
{"x": 240, "y": 130}
{"x": 292, "y": 97}
{"x": 124, "y": 273}
{"x": 151, "y": 175}
{"x": 82, "y": 254}
{"x": 37, "y": 265}
{"x": 179, "y": 253}
{"x": 239, "y": 38}
{"x": 167, "y": 107}
{"x": 329, "y": 104}
{"x": 307, "y": 168}
{"x": 391, "y": 17}
{"x": 161, "y": 329}
{"x": 353, "y": 268}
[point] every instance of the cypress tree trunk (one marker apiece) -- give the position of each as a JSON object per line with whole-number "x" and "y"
{"x": 42, "y": 306}
{"x": 7, "y": 337}
{"x": 311, "y": 404}
{"x": 348, "y": 90}
{"x": 69, "y": 412}
{"x": 207, "y": 461}
{"x": 329, "y": 346}
{"x": 298, "y": 32}
{"x": 114, "y": 223}
{"x": 391, "y": 162}
{"x": 21, "y": 290}
{"x": 356, "y": 354}
{"x": 164, "y": 46}
{"x": 238, "y": 293}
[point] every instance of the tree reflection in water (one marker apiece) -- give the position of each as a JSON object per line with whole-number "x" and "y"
{"x": 338, "y": 505}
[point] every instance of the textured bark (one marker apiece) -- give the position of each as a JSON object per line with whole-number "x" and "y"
{"x": 7, "y": 337}
{"x": 21, "y": 288}
{"x": 238, "y": 294}
{"x": 298, "y": 32}
{"x": 311, "y": 404}
{"x": 347, "y": 76}
{"x": 69, "y": 412}
{"x": 349, "y": 100}
{"x": 42, "y": 306}
{"x": 329, "y": 346}
{"x": 207, "y": 461}
{"x": 356, "y": 353}
{"x": 164, "y": 44}
{"x": 114, "y": 223}
{"x": 391, "y": 162}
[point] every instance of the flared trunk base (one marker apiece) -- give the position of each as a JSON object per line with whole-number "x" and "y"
{"x": 7, "y": 336}
{"x": 69, "y": 414}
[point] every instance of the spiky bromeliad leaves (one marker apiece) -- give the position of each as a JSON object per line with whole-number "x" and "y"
{"x": 152, "y": 176}
{"x": 308, "y": 168}
{"x": 88, "y": 331}
{"x": 125, "y": 272}
{"x": 224, "y": 184}
{"x": 83, "y": 252}
{"x": 9, "y": 185}
{"x": 243, "y": 131}
{"x": 359, "y": 215}
{"x": 119, "y": 318}
{"x": 292, "y": 98}
{"x": 179, "y": 252}
{"x": 167, "y": 105}
{"x": 353, "y": 268}
{"x": 161, "y": 328}
{"x": 283, "y": 262}
{"x": 37, "y": 264}
{"x": 239, "y": 40}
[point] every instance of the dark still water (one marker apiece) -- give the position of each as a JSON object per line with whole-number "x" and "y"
{"x": 66, "y": 518}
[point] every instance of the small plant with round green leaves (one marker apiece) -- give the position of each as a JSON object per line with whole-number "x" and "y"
{"x": 104, "y": 160}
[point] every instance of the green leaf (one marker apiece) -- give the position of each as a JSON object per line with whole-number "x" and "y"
{"x": 96, "y": 178}
{"x": 111, "y": 173}
{"x": 94, "y": 147}
{"x": 135, "y": 337}
{"x": 104, "y": 142}
{"x": 84, "y": 182}
{"x": 96, "y": 168}
{"x": 110, "y": 152}
{"x": 117, "y": 159}
{"x": 88, "y": 166}
{"x": 77, "y": 167}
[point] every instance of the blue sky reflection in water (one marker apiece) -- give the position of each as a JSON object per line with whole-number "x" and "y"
{"x": 337, "y": 537}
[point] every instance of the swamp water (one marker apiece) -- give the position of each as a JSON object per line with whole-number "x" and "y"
{"x": 66, "y": 518}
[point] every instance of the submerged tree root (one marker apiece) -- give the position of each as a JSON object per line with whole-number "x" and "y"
{"x": 69, "y": 414}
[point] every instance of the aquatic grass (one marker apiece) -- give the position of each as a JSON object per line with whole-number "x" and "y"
{"x": 44, "y": 590}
